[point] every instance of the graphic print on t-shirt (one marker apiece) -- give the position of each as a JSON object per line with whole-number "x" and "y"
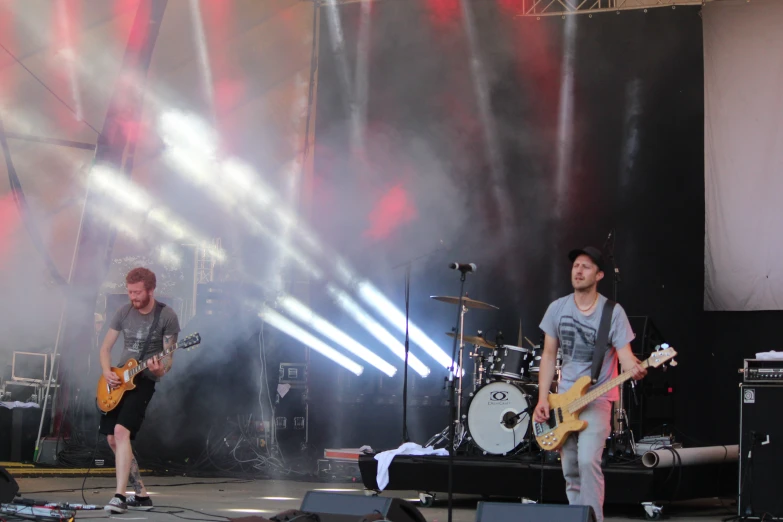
{"x": 138, "y": 339}
{"x": 577, "y": 339}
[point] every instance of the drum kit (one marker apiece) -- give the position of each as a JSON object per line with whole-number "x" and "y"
{"x": 497, "y": 420}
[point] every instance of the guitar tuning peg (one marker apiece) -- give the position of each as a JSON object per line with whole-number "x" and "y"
{"x": 672, "y": 363}
{"x": 665, "y": 345}
{"x": 658, "y": 348}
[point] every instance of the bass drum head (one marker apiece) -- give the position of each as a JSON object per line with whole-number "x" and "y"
{"x": 489, "y": 418}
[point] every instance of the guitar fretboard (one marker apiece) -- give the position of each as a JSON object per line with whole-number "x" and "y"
{"x": 143, "y": 365}
{"x": 593, "y": 394}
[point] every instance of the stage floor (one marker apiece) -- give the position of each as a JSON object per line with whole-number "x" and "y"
{"x": 234, "y": 499}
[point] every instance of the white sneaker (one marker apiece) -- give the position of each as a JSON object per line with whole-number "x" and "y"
{"x": 116, "y": 505}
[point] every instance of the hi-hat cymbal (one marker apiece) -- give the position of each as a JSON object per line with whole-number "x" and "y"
{"x": 467, "y": 301}
{"x": 469, "y": 339}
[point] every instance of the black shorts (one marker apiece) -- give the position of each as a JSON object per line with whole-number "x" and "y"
{"x": 129, "y": 413}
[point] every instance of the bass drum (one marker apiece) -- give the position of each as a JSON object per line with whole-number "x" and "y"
{"x": 499, "y": 418}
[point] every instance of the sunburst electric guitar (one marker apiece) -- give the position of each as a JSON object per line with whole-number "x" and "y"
{"x": 108, "y": 398}
{"x": 564, "y": 408}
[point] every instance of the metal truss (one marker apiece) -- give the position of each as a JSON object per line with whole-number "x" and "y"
{"x": 568, "y": 7}
{"x": 206, "y": 261}
{"x": 561, "y": 7}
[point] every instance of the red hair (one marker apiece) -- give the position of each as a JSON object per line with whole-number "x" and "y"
{"x": 142, "y": 275}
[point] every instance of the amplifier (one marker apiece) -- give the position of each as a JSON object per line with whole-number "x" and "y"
{"x": 762, "y": 370}
{"x": 761, "y": 458}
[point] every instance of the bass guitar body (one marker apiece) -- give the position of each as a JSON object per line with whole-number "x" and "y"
{"x": 552, "y": 434}
{"x": 108, "y": 398}
{"x": 564, "y": 408}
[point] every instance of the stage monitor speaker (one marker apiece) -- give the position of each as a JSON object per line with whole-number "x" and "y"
{"x": 346, "y": 507}
{"x": 494, "y": 511}
{"x": 8, "y": 487}
{"x": 761, "y": 457}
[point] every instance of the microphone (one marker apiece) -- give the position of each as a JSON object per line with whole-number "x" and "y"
{"x": 510, "y": 420}
{"x": 463, "y": 267}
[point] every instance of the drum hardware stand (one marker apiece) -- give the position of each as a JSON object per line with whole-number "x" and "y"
{"x": 462, "y": 311}
{"x": 622, "y": 437}
{"x": 453, "y": 404}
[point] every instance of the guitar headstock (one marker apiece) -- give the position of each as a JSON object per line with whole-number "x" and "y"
{"x": 189, "y": 341}
{"x": 661, "y": 355}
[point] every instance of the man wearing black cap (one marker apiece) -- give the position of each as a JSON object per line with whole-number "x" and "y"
{"x": 571, "y": 323}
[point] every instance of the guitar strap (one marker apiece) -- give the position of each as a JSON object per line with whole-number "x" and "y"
{"x": 602, "y": 341}
{"x": 155, "y": 318}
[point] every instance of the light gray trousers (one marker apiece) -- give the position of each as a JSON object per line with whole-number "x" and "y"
{"x": 581, "y": 458}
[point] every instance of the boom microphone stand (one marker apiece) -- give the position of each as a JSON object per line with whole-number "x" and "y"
{"x": 616, "y": 280}
{"x": 621, "y": 428}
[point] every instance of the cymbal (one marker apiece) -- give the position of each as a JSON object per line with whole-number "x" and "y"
{"x": 467, "y": 301}
{"x": 478, "y": 341}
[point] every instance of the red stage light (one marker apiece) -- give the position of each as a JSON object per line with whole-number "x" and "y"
{"x": 393, "y": 210}
{"x": 9, "y": 220}
{"x": 511, "y": 6}
{"x": 443, "y": 12}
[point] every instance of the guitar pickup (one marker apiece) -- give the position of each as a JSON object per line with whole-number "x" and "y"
{"x": 560, "y": 415}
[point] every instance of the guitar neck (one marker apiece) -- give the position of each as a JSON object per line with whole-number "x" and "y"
{"x": 593, "y": 394}
{"x": 143, "y": 364}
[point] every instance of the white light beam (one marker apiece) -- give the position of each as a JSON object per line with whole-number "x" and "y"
{"x": 286, "y": 326}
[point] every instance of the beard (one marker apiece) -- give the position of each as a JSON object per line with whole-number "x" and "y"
{"x": 583, "y": 285}
{"x": 141, "y": 303}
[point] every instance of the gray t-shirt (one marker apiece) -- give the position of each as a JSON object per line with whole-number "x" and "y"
{"x": 577, "y": 333}
{"x": 135, "y": 327}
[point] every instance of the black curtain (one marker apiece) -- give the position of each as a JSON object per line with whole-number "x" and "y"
{"x": 627, "y": 156}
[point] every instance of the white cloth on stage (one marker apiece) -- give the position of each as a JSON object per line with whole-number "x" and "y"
{"x": 385, "y": 458}
{"x": 770, "y": 356}
{"x": 16, "y": 404}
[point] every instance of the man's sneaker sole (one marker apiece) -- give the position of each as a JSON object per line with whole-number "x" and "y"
{"x": 140, "y": 508}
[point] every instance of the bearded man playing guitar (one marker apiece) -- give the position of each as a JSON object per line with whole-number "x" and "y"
{"x": 572, "y": 324}
{"x": 148, "y": 327}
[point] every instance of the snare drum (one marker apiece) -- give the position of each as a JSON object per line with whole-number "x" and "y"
{"x": 509, "y": 362}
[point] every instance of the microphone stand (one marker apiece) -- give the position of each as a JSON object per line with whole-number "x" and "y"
{"x": 405, "y": 437}
{"x": 622, "y": 427}
{"x": 408, "y": 265}
{"x": 452, "y": 400}
{"x": 616, "y": 280}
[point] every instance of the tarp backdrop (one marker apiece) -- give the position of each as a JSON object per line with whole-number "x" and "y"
{"x": 743, "y": 155}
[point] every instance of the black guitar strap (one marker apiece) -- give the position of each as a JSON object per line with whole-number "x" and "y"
{"x": 602, "y": 341}
{"x": 155, "y": 318}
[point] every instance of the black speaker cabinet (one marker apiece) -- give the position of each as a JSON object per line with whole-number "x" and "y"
{"x": 8, "y": 487}
{"x": 346, "y": 507}
{"x": 496, "y": 511}
{"x": 761, "y": 451}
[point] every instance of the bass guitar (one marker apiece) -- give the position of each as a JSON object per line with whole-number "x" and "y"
{"x": 564, "y": 408}
{"x": 108, "y": 398}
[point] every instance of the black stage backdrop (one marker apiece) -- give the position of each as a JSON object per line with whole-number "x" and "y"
{"x": 421, "y": 181}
